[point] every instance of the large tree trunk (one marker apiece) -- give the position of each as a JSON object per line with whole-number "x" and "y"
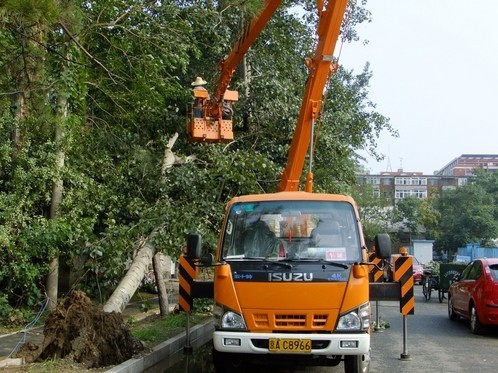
{"x": 161, "y": 284}
{"x": 52, "y": 283}
{"x": 130, "y": 283}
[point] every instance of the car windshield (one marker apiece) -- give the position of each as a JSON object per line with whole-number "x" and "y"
{"x": 292, "y": 230}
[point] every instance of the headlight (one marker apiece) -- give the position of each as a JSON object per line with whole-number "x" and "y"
{"x": 358, "y": 319}
{"x": 227, "y": 319}
{"x": 232, "y": 320}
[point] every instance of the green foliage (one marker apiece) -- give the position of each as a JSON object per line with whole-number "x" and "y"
{"x": 125, "y": 69}
{"x": 375, "y": 211}
{"x": 407, "y": 214}
{"x": 5, "y": 308}
{"x": 204, "y": 306}
{"x": 468, "y": 214}
{"x": 430, "y": 217}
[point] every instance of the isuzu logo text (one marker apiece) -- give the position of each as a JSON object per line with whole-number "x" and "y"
{"x": 289, "y": 277}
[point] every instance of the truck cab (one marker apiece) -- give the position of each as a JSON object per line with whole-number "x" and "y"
{"x": 291, "y": 282}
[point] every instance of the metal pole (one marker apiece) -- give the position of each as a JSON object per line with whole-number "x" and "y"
{"x": 188, "y": 347}
{"x": 377, "y": 317}
{"x": 405, "y": 355}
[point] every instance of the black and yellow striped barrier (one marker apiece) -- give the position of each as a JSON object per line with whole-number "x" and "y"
{"x": 188, "y": 272}
{"x": 376, "y": 272}
{"x": 400, "y": 288}
{"x": 403, "y": 273}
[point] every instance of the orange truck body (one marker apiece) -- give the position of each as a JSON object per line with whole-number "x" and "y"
{"x": 305, "y": 295}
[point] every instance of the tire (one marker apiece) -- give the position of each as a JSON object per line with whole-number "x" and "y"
{"x": 357, "y": 363}
{"x": 475, "y": 325}
{"x": 426, "y": 290}
{"x": 440, "y": 295}
{"x": 451, "y": 312}
{"x": 227, "y": 363}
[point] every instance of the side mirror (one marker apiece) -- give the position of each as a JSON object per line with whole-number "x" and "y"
{"x": 207, "y": 260}
{"x": 383, "y": 245}
{"x": 457, "y": 277}
{"x": 193, "y": 246}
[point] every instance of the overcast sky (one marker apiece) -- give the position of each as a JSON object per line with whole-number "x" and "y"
{"x": 435, "y": 75}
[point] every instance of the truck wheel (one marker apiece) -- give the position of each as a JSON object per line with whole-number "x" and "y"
{"x": 227, "y": 363}
{"x": 357, "y": 363}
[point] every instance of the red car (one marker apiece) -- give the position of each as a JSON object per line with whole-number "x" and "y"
{"x": 474, "y": 294}
{"x": 418, "y": 270}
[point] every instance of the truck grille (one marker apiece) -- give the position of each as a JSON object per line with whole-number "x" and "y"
{"x": 285, "y": 321}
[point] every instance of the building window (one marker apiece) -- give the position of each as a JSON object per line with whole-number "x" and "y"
{"x": 417, "y": 193}
{"x": 373, "y": 180}
{"x": 411, "y": 181}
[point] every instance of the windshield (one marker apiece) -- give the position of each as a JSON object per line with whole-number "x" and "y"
{"x": 292, "y": 230}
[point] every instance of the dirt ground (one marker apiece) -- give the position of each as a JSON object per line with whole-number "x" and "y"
{"x": 82, "y": 335}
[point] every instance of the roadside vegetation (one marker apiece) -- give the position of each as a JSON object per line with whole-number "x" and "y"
{"x": 90, "y": 95}
{"x": 92, "y": 92}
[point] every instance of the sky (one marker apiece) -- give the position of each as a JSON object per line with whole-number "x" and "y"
{"x": 435, "y": 75}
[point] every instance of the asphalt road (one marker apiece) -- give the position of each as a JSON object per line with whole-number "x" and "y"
{"x": 434, "y": 344}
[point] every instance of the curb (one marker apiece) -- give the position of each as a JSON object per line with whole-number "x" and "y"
{"x": 173, "y": 347}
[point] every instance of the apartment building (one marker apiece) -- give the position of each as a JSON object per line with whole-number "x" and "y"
{"x": 401, "y": 184}
{"x": 465, "y": 164}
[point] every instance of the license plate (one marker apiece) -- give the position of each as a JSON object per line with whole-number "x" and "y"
{"x": 289, "y": 345}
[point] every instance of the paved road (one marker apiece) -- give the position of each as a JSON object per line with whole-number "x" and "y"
{"x": 434, "y": 344}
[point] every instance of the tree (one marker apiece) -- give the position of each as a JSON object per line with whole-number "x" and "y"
{"x": 407, "y": 215}
{"x": 108, "y": 83}
{"x": 429, "y": 216}
{"x": 375, "y": 212}
{"x": 468, "y": 214}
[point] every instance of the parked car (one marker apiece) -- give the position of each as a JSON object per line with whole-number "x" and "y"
{"x": 418, "y": 270}
{"x": 474, "y": 294}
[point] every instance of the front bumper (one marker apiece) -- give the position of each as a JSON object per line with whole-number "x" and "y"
{"x": 322, "y": 344}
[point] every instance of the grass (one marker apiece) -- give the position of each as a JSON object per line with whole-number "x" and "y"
{"x": 155, "y": 329}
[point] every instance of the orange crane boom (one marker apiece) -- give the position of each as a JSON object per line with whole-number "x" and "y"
{"x": 215, "y": 122}
{"x": 320, "y": 66}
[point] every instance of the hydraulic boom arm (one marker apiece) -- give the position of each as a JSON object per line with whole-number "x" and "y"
{"x": 210, "y": 118}
{"x": 320, "y": 66}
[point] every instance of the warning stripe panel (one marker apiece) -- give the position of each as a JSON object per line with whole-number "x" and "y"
{"x": 403, "y": 272}
{"x": 188, "y": 267}
{"x": 408, "y": 305}
{"x": 186, "y": 274}
{"x": 376, "y": 275}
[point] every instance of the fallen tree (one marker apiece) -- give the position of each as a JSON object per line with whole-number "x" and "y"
{"x": 130, "y": 283}
{"x": 79, "y": 330}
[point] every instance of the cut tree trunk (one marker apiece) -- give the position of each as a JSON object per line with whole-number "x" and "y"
{"x": 162, "y": 293}
{"x": 130, "y": 283}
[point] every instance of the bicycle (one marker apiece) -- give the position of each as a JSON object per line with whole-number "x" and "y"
{"x": 429, "y": 283}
